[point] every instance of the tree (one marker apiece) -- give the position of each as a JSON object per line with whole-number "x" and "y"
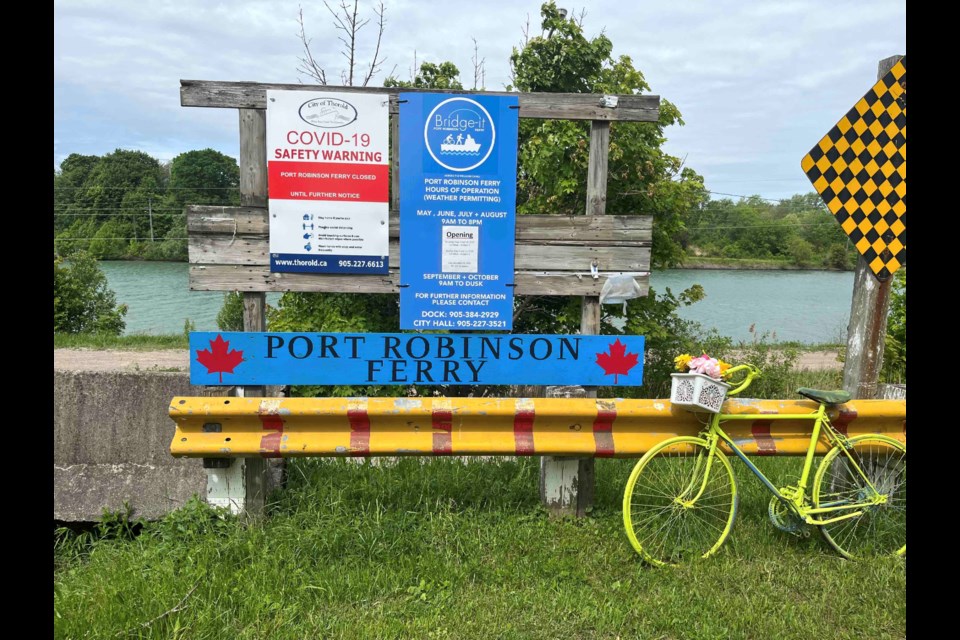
{"x": 67, "y": 181}
{"x": 430, "y": 76}
{"x": 347, "y": 21}
{"x": 90, "y": 191}
{"x": 554, "y": 154}
{"x": 204, "y": 177}
{"x": 796, "y": 230}
{"x": 127, "y": 205}
{"x": 82, "y": 302}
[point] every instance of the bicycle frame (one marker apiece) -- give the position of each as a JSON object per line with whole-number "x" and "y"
{"x": 796, "y": 501}
{"x": 681, "y": 498}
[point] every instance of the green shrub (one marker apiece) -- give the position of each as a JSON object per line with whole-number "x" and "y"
{"x": 230, "y": 316}
{"x": 895, "y": 341}
{"x": 82, "y": 302}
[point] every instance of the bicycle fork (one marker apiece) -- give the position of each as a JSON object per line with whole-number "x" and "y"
{"x": 696, "y": 477}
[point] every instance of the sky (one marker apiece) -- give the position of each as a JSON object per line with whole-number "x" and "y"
{"x": 758, "y": 83}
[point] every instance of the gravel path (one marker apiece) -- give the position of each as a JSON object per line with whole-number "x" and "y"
{"x": 112, "y": 360}
{"x": 176, "y": 360}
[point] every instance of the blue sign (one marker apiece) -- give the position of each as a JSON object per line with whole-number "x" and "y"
{"x": 458, "y": 193}
{"x": 248, "y": 358}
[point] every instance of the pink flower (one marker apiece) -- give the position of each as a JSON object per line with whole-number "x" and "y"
{"x": 705, "y": 365}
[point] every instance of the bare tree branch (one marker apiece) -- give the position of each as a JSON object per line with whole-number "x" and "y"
{"x": 525, "y": 29}
{"x": 478, "y": 69}
{"x": 347, "y": 21}
{"x": 307, "y": 64}
{"x": 349, "y": 24}
{"x": 578, "y": 20}
{"x": 375, "y": 64}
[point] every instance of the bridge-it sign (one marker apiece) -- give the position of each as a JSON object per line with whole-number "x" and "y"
{"x": 328, "y": 183}
{"x": 860, "y": 170}
{"x": 249, "y": 358}
{"x": 458, "y": 190}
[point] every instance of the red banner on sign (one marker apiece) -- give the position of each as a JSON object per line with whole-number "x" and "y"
{"x": 323, "y": 181}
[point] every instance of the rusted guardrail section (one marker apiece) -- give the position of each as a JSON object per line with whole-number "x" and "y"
{"x": 211, "y": 427}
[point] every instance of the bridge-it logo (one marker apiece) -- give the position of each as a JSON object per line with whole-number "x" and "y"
{"x": 459, "y": 134}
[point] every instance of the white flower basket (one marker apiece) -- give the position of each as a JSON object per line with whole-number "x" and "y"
{"x": 697, "y": 392}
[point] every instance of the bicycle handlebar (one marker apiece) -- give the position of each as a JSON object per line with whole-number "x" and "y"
{"x": 752, "y": 372}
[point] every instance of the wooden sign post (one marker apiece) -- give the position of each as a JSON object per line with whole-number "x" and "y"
{"x": 554, "y": 255}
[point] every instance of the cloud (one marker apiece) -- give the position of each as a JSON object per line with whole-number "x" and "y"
{"x": 758, "y": 83}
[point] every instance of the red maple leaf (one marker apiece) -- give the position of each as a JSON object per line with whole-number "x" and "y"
{"x": 219, "y": 359}
{"x": 617, "y": 361}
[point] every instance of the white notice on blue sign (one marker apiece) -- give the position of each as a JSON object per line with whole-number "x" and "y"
{"x": 460, "y": 250}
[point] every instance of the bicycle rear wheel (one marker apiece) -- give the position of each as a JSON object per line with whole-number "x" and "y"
{"x": 665, "y": 520}
{"x": 882, "y": 528}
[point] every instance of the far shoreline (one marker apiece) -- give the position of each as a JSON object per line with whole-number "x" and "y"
{"x": 699, "y": 264}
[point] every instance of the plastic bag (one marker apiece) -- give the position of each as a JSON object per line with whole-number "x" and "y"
{"x": 620, "y": 288}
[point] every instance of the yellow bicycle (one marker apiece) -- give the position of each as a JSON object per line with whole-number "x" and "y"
{"x": 681, "y": 498}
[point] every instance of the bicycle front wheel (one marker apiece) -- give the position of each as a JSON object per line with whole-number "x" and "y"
{"x": 881, "y": 529}
{"x": 680, "y": 501}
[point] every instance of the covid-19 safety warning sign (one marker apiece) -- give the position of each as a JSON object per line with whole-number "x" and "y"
{"x": 328, "y": 172}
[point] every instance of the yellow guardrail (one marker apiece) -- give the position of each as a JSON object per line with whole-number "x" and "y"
{"x": 219, "y": 427}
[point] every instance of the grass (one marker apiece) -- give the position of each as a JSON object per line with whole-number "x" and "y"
{"x": 440, "y": 548}
{"x": 136, "y": 342}
{"x": 443, "y": 549}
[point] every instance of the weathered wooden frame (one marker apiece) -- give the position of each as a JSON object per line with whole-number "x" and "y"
{"x": 555, "y": 255}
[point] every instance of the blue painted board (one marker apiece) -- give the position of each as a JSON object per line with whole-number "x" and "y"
{"x": 249, "y": 358}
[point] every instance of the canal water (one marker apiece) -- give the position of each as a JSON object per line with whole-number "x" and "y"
{"x": 805, "y": 306}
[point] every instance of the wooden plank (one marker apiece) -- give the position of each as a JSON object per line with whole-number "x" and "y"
{"x": 597, "y": 168}
{"x": 253, "y": 193}
{"x": 582, "y": 490}
{"x": 238, "y": 249}
{"x": 565, "y": 106}
{"x": 395, "y": 164}
{"x": 203, "y": 219}
{"x": 253, "y": 157}
{"x": 628, "y": 230}
{"x": 254, "y": 250}
{"x": 259, "y": 278}
{"x": 596, "y": 206}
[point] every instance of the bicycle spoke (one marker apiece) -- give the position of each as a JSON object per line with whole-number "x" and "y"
{"x": 674, "y": 511}
{"x": 871, "y": 475}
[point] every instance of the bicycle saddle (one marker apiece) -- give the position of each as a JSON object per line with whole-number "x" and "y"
{"x": 826, "y": 397}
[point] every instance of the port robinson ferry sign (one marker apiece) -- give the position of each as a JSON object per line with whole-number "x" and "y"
{"x": 250, "y": 358}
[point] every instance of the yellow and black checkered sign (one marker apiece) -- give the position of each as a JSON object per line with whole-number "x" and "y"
{"x": 860, "y": 170}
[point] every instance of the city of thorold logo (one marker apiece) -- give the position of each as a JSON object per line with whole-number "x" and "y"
{"x": 328, "y": 113}
{"x": 459, "y": 134}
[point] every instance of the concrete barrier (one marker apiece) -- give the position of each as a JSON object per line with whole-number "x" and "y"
{"x": 111, "y": 435}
